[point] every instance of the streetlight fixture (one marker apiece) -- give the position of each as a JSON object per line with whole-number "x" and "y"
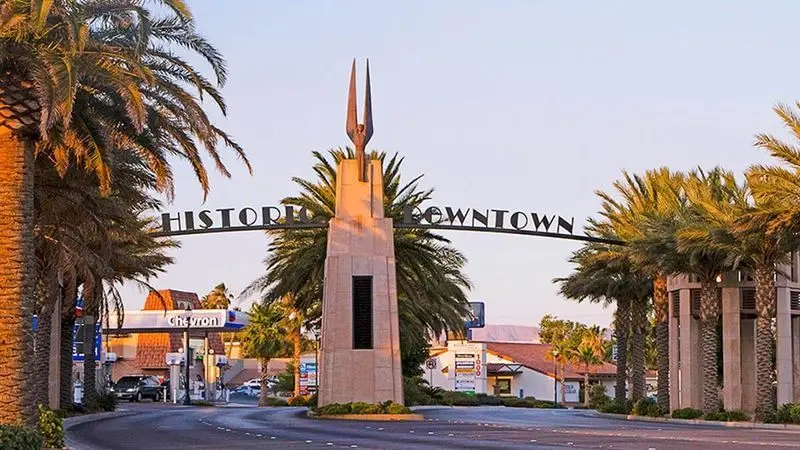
{"x": 555, "y": 377}
{"x": 188, "y": 314}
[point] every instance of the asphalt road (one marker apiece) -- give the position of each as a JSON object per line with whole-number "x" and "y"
{"x": 158, "y": 426}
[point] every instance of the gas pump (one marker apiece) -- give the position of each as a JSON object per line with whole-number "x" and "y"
{"x": 175, "y": 362}
{"x": 108, "y": 363}
{"x": 220, "y": 361}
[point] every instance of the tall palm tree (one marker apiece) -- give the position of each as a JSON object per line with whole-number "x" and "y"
{"x": 265, "y": 339}
{"x": 673, "y": 245}
{"x": 770, "y": 229}
{"x": 85, "y": 80}
{"x": 431, "y": 287}
{"x": 657, "y": 193}
{"x": 606, "y": 273}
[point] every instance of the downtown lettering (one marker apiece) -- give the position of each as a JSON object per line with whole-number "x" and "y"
{"x": 488, "y": 219}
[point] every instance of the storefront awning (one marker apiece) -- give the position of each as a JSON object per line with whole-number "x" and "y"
{"x": 503, "y": 369}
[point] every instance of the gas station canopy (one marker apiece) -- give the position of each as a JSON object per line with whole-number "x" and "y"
{"x": 176, "y": 320}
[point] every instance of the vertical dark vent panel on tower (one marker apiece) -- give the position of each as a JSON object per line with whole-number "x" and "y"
{"x": 362, "y": 312}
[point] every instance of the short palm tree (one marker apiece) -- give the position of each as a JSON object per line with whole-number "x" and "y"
{"x": 431, "y": 287}
{"x": 265, "y": 339}
{"x": 219, "y": 298}
{"x": 588, "y": 353}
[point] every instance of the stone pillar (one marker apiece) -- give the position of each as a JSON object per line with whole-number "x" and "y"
{"x": 54, "y": 375}
{"x": 796, "y": 356}
{"x": 691, "y": 359}
{"x": 674, "y": 356}
{"x": 731, "y": 349}
{"x": 360, "y": 244}
{"x": 783, "y": 350}
{"x": 748, "y": 371}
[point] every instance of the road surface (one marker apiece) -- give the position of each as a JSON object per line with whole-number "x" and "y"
{"x": 159, "y": 426}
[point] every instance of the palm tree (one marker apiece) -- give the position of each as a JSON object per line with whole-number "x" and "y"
{"x": 768, "y": 233}
{"x": 218, "y": 298}
{"x": 606, "y": 273}
{"x": 657, "y": 193}
{"x": 589, "y": 353}
{"x": 431, "y": 287}
{"x": 673, "y": 245}
{"x": 265, "y": 339}
{"x": 85, "y": 80}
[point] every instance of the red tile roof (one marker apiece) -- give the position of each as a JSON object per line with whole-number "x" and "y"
{"x": 534, "y": 357}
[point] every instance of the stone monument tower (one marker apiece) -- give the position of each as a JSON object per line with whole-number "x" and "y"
{"x": 360, "y": 350}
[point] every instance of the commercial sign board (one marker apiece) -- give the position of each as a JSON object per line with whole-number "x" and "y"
{"x": 478, "y": 314}
{"x": 177, "y": 320}
{"x": 78, "y": 347}
{"x": 468, "y": 367}
{"x": 308, "y": 376}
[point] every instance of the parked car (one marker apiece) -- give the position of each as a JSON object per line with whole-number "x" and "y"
{"x": 136, "y": 388}
{"x": 255, "y": 383}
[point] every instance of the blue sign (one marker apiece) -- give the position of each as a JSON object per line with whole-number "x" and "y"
{"x": 77, "y": 342}
{"x": 478, "y": 317}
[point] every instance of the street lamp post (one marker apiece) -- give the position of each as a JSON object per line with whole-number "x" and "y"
{"x": 186, "y": 400}
{"x": 555, "y": 378}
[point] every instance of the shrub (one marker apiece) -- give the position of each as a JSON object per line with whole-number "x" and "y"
{"x": 202, "y": 403}
{"x": 106, "y": 402}
{"x": 459, "y": 399}
{"x": 298, "y": 400}
{"x": 738, "y": 416}
{"x": 396, "y": 408}
{"x": 597, "y": 396}
{"x": 311, "y": 402}
{"x": 272, "y": 401}
{"x": 20, "y": 438}
{"x": 687, "y": 413}
{"x": 490, "y": 400}
{"x": 647, "y": 407}
{"x": 334, "y": 409}
{"x": 417, "y": 392}
{"x": 717, "y": 416}
{"x": 365, "y": 408}
{"x": 615, "y": 407}
{"x": 788, "y": 413}
{"x": 51, "y": 428}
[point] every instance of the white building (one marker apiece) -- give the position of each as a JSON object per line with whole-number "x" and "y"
{"x": 518, "y": 369}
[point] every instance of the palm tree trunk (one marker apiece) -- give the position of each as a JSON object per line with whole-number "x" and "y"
{"x": 638, "y": 334}
{"x": 47, "y": 293}
{"x": 67, "y": 332}
{"x": 661, "y": 306}
{"x": 765, "y": 311}
{"x": 709, "y": 312}
{"x": 621, "y": 327}
{"x": 264, "y": 394}
{"x": 90, "y": 301}
{"x": 17, "y": 266}
{"x": 586, "y": 387}
{"x": 296, "y": 360}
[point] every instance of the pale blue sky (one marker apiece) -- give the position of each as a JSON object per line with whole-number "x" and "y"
{"x": 520, "y": 105}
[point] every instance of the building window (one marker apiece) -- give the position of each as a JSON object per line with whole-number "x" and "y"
{"x": 503, "y": 386}
{"x": 362, "y": 312}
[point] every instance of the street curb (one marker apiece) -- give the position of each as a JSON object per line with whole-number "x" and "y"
{"x": 713, "y": 423}
{"x": 70, "y": 422}
{"x": 373, "y": 417}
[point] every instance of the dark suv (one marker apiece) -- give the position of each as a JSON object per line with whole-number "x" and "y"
{"x": 135, "y": 388}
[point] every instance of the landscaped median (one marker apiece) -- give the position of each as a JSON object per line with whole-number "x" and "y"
{"x": 385, "y": 411}
{"x": 787, "y": 417}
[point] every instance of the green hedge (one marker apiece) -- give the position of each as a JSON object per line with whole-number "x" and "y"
{"x": 727, "y": 416}
{"x": 615, "y": 407}
{"x": 647, "y": 407}
{"x": 20, "y": 438}
{"x": 51, "y": 428}
{"x": 788, "y": 413}
{"x": 337, "y": 409}
{"x": 687, "y": 413}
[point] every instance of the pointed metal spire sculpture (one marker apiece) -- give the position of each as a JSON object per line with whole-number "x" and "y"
{"x": 360, "y": 134}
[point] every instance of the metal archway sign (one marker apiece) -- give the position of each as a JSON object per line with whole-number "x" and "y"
{"x": 227, "y": 220}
